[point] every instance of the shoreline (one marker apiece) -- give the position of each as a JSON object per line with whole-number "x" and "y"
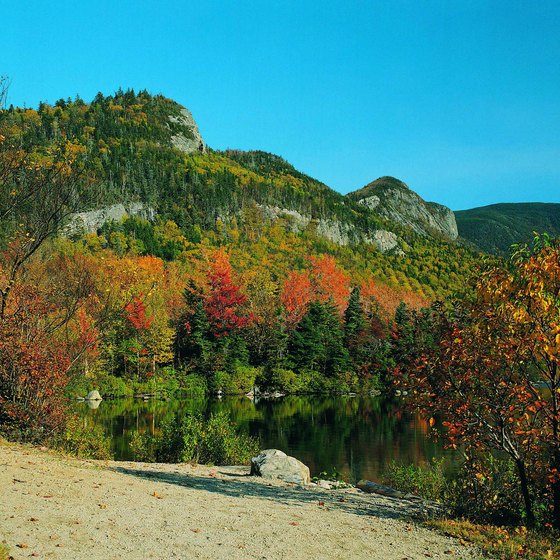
{"x": 64, "y": 508}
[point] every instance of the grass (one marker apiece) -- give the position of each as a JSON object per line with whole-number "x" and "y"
{"x": 4, "y": 552}
{"x": 503, "y": 543}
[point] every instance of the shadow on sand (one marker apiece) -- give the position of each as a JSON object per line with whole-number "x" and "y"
{"x": 244, "y": 486}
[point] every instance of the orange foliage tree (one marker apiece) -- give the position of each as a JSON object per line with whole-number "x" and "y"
{"x": 323, "y": 281}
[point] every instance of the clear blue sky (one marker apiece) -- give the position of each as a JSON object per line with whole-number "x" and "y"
{"x": 460, "y": 99}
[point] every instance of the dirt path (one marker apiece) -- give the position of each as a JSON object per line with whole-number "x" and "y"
{"x": 52, "y": 507}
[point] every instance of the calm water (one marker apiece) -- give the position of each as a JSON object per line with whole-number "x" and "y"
{"x": 357, "y": 436}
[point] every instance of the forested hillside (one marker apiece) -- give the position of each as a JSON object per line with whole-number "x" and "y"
{"x": 234, "y": 269}
{"x": 496, "y": 227}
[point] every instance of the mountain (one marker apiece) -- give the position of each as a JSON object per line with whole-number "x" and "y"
{"x": 496, "y": 227}
{"x": 396, "y": 202}
{"x": 149, "y": 174}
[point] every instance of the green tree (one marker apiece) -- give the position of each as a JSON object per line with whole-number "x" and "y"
{"x": 317, "y": 344}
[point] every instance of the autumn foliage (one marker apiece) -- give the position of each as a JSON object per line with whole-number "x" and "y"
{"x": 224, "y": 303}
{"x": 490, "y": 370}
{"x": 33, "y": 371}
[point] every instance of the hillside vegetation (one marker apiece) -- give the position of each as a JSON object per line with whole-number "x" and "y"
{"x": 240, "y": 270}
{"x": 496, "y": 227}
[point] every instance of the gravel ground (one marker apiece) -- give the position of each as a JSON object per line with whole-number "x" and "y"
{"x": 61, "y": 508}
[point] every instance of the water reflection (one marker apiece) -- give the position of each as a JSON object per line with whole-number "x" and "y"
{"x": 357, "y": 436}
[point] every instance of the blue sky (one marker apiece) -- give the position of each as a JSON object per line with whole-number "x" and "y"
{"x": 460, "y": 99}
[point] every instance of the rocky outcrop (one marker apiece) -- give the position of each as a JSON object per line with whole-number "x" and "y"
{"x": 89, "y": 222}
{"x": 189, "y": 140}
{"x": 395, "y": 201}
{"x": 386, "y": 241}
{"x": 336, "y": 232}
{"x": 275, "y": 464}
{"x": 93, "y": 396}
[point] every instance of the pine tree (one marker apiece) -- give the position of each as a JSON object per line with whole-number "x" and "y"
{"x": 317, "y": 342}
{"x": 354, "y": 319}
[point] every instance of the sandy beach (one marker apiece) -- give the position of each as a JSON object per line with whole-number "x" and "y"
{"x": 64, "y": 508}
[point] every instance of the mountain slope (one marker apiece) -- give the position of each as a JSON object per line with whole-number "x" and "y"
{"x": 144, "y": 156}
{"x": 395, "y": 201}
{"x": 496, "y": 227}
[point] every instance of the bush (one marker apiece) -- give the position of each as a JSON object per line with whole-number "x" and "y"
{"x": 428, "y": 481}
{"x": 112, "y": 386}
{"x": 221, "y": 381}
{"x": 195, "y": 384}
{"x": 243, "y": 378}
{"x": 143, "y": 447}
{"x": 194, "y": 439}
{"x": 163, "y": 383}
{"x": 286, "y": 380}
{"x": 4, "y": 551}
{"x": 485, "y": 489}
{"x": 86, "y": 442}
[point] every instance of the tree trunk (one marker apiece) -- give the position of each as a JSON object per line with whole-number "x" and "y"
{"x": 556, "y": 492}
{"x": 525, "y": 492}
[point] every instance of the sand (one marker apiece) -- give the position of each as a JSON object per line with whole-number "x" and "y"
{"x": 64, "y": 508}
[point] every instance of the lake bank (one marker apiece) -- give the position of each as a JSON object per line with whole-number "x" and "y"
{"x": 63, "y": 508}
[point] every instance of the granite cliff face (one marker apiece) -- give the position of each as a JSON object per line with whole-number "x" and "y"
{"x": 393, "y": 200}
{"x": 335, "y": 231}
{"x": 189, "y": 140}
{"x": 89, "y": 222}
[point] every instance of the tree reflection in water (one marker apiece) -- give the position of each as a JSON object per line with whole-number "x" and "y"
{"x": 357, "y": 436}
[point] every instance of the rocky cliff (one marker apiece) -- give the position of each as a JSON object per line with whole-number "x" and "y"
{"x": 89, "y": 222}
{"x": 395, "y": 201}
{"x": 190, "y": 141}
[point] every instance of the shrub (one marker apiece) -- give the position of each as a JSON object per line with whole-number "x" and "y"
{"x": 143, "y": 447}
{"x": 281, "y": 379}
{"x": 243, "y": 378}
{"x": 221, "y": 381}
{"x": 194, "y": 439}
{"x": 195, "y": 384}
{"x": 4, "y": 551}
{"x": 86, "y": 442}
{"x": 485, "y": 489}
{"x": 428, "y": 481}
{"x": 112, "y": 386}
{"x": 163, "y": 383}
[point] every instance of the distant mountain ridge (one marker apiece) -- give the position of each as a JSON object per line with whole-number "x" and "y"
{"x": 496, "y": 227}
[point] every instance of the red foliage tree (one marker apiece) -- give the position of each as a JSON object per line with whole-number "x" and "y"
{"x": 486, "y": 358}
{"x": 225, "y": 301}
{"x": 136, "y": 314}
{"x": 33, "y": 370}
{"x": 330, "y": 282}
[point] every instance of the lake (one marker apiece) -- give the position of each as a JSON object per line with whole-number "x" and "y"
{"x": 358, "y": 436}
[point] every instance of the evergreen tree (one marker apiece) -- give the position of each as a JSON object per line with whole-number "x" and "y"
{"x": 317, "y": 342}
{"x": 193, "y": 342}
{"x": 354, "y": 321}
